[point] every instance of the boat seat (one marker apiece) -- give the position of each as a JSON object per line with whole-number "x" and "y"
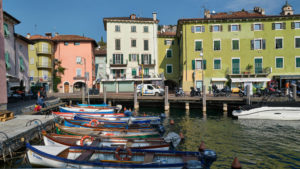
{"x": 87, "y": 154}
{"x": 148, "y": 157}
{"x": 188, "y": 158}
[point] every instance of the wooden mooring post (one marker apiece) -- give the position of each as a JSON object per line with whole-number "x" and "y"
{"x": 248, "y": 100}
{"x": 104, "y": 95}
{"x": 294, "y": 92}
{"x": 225, "y": 109}
{"x": 187, "y": 106}
{"x": 135, "y": 101}
{"x": 167, "y": 106}
{"x": 83, "y": 95}
{"x": 204, "y": 100}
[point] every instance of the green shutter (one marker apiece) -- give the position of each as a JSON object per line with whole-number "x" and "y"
{"x": 114, "y": 59}
{"x": 204, "y": 64}
{"x": 150, "y": 59}
{"x": 122, "y": 71}
{"x": 198, "y": 45}
{"x": 193, "y": 64}
{"x": 293, "y": 25}
{"x": 6, "y": 30}
{"x": 217, "y": 64}
{"x": 129, "y": 57}
{"x": 263, "y": 44}
{"x": 138, "y": 58}
{"x": 258, "y": 65}
{"x": 22, "y": 68}
{"x": 133, "y": 72}
{"x": 142, "y": 59}
{"x": 252, "y": 44}
{"x": 297, "y": 42}
{"x": 121, "y": 58}
{"x": 169, "y": 69}
{"x": 8, "y": 66}
{"x": 235, "y": 66}
{"x": 235, "y": 44}
{"x": 297, "y": 62}
{"x": 217, "y": 45}
{"x": 279, "y": 62}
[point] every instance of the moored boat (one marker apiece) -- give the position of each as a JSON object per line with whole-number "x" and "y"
{"x": 88, "y": 157}
{"x": 93, "y": 105}
{"x": 81, "y": 110}
{"x": 129, "y": 121}
{"x": 70, "y": 115}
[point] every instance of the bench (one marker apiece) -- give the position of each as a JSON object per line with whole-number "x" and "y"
{"x": 6, "y": 115}
{"x": 87, "y": 154}
{"x": 148, "y": 157}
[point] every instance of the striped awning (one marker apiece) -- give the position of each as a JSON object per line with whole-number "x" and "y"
{"x": 218, "y": 79}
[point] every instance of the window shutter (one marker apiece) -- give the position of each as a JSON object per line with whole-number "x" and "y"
{"x": 221, "y": 28}
{"x": 165, "y": 42}
{"x": 204, "y": 64}
{"x": 262, "y": 26}
{"x": 252, "y": 44}
{"x": 142, "y": 59}
{"x": 240, "y": 27}
{"x": 264, "y": 44}
{"x": 114, "y": 71}
{"x": 122, "y": 71}
{"x": 252, "y": 27}
{"x": 173, "y": 42}
{"x": 114, "y": 58}
{"x": 284, "y": 25}
{"x": 129, "y": 57}
{"x": 193, "y": 64}
{"x": 210, "y": 28}
{"x": 229, "y": 28}
{"x": 203, "y": 28}
{"x": 138, "y": 58}
{"x": 150, "y": 59}
{"x": 293, "y": 25}
{"x": 193, "y": 29}
{"x": 121, "y": 58}
{"x": 273, "y": 26}
{"x": 8, "y": 66}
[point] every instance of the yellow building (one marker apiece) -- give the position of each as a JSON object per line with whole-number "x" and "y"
{"x": 41, "y": 61}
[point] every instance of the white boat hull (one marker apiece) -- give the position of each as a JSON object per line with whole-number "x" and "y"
{"x": 269, "y": 113}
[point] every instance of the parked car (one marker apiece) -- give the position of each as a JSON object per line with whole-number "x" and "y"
{"x": 149, "y": 90}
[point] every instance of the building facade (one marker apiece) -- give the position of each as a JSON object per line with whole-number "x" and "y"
{"x": 41, "y": 56}
{"x": 239, "y": 48}
{"x": 76, "y": 54}
{"x": 3, "y": 89}
{"x": 100, "y": 65}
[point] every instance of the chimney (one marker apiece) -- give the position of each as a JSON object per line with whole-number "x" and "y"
{"x": 56, "y": 33}
{"x": 28, "y": 36}
{"x": 154, "y": 14}
{"x": 207, "y": 14}
{"x": 49, "y": 35}
{"x": 132, "y": 16}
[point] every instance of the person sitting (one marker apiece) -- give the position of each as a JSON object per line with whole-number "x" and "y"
{"x": 128, "y": 113}
{"x": 40, "y": 101}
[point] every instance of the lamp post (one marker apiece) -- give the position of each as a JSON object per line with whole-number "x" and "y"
{"x": 202, "y": 67}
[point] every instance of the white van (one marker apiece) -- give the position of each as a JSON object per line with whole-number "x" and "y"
{"x": 149, "y": 90}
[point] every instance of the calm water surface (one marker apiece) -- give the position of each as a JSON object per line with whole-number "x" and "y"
{"x": 256, "y": 143}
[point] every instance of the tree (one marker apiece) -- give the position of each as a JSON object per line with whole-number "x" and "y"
{"x": 101, "y": 43}
{"x": 58, "y": 71}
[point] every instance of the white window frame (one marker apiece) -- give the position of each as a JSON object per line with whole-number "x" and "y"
{"x": 77, "y": 70}
{"x": 32, "y": 61}
{"x": 135, "y": 59}
{"x": 262, "y": 62}
{"x": 220, "y": 63}
{"x": 296, "y": 62}
{"x": 144, "y": 29}
{"x": 280, "y": 26}
{"x": 282, "y": 42}
{"x": 219, "y": 25}
{"x": 131, "y": 29}
{"x": 116, "y": 28}
{"x": 78, "y": 60}
{"x": 167, "y": 53}
{"x": 239, "y": 64}
{"x": 257, "y": 24}
{"x": 232, "y": 45}
{"x": 197, "y": 40}
{"x": 118, "y": 58}
{"x": 195, "y": 30}
{"x": 45, "y": 47}
{"x": 146, "y": 59}
{"x": 169, "y": 40}
{"x": 214, "y": 44}
{"x": 201, "y": 67}
{"x": 238, "y": 28}
{"x": 282, "y": 62}
{"x": 295, "y": 24}
{"x": 167, "y": 68}
{"x": 31, "y": 47}
{"x": 261, "y": 43}
{"x": 295, "y": 41}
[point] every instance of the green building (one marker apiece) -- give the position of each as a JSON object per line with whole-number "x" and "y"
{"x": 239, "y": 48}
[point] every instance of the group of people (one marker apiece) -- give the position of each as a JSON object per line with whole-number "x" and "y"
{"x": 40, "y": 103}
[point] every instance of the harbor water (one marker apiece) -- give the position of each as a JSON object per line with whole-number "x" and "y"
{"x": 256, "y": 143}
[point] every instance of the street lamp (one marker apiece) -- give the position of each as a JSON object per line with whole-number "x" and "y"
{"x": 202, "y": 67}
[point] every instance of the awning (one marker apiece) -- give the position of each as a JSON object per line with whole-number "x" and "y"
{"x": 239, "y": 80}
{"x": 218, "y": 79}
{"x": 291, "y": 77}
{"x": 118, "y": 68}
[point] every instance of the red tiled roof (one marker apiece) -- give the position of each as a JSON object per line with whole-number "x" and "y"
{"x": 39, "y": 37}
{"x": 166, "y": 34}
{"x": 100, "y": 51}
{"x": 238, "y": 14}
{"x": 71, "y": 38}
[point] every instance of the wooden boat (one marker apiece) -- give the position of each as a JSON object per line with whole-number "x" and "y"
{"x": 70, "y": 115}
{"x": 69, "y": 140}
{"x": 127, "y": 133}
{"x": 132, "y": 118}
{"x": 130, "y": 121}
{"x": 89, "y": 157}
{"x": 81, "y": 110}
{"x": 93, "y": 105}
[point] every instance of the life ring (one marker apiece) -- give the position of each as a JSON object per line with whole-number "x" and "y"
{"x": 128, "y": 154}
{"x": 84, "y": 138}
{"x": 95, "y": 122}
{"x": 81, "y": 109}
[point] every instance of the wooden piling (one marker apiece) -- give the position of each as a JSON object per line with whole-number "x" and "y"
{"x": 83, "y": 95}
{"x": 225, "y": 109}
{"x": 248, "y": 95}
{"x": 204, "y": 100}
{"x": 167, "y": 106}
{"x": 135, "y": 101}
{"x": 294, "y": 92}
{"x": 104, "y": 95}
{"x": 109, "y": 103}
{"x": 187, "y": 106}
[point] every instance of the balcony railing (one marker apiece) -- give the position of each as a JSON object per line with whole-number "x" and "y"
{"x": 148, "y": 62}
{"x": 118, "y": 63}
{"x": 46, "y": 65}
{"x": 43, "y": 51}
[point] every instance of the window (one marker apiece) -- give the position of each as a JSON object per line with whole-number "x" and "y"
{"x": 216, "y": 28}
{"x": 22, "y": 67}
{"x": 234, "y": 28}
{"x": 235, "y": 44}
{"x": 117, "y": 58}
{"x": 279, "y": 62}
{"x": 278, "y": 43}
{"x": 236, "y": 66}
{"x": 146, "y": 29}
{"x": 169, "y": 42}
{"x": 76, "y": 43}
{"x": 31, "y": 73}
{"x": 297, "y": 42}
{"x": 117, "y": 28}
{"x": 20, "y": 47}
{"x": 169, "y": 53}
{"x": 133, "y": 72}
{"x": 6, "y": 30}
{"x": 133, "y": 43}
{"x": 132, "y": 57}
{"x": 295, "y": 25}
{"x": 258, "y": 44}
{"x": 133, "y": 28}
{"x": 217, "y": 44}
{"x": 44, "y": 47}
{"x": 217, "y": 64}
{"x": 66, "y": 43}
{"x": 32, "y": 60}
{"x": 78, "y": 60}
{"x": 7, "y": 61}
{"x": 198, "y": 45}
{"x": 78, "y": 72}
{"x": 146, "y": 59}
{"x": 198, "y": 29}
{"x": 87, "y": 76}
{"x": 117, "y": 44}
{"x": 258, "y": 65}
{"x": 169, "y": 68}
{"x": 31, "y": 47}
{"x": 297, "y": 62}
{"x": 146, "y": 45}
{"x": 257, "y": 27}
{"x": 146, "y": 71}
{"x": 278, "y": 26}
{"x": 197, "y": 64}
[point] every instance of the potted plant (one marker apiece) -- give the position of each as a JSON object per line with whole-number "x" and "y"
{"x": 248, "y": 69}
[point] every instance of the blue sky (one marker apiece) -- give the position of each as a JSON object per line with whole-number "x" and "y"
{"x": 84, "y": 17}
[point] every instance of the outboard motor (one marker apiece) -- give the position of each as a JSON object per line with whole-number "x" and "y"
{"x": 173, "y": 138}
{"x": 208, "y": 157}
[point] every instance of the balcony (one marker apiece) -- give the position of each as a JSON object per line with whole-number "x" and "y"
{"x": 78, "y": 78}
{"x": 147, "y": 63}
{"x": 118, "y": 63}
{"x": 40, "y": 79}
{"x": 41, "y": 51}
{"x": 45, "y": 65}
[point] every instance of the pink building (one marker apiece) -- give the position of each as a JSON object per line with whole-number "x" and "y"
{"x": 3, "y": 94}
{"x": 76, "y": 54}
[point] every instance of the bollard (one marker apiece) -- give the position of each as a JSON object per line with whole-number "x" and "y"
{"x": 294, "y": 92}
{"x": 83, "y": 94}
{"x": 167, "y": 106}
{"x": 236, "y": 164}
{"x": 248, "y": 95}
{"x": 135, "y": 101}
{"x": 204, "y": 99}
{"x": 70, "y": 103}
{"x": 187, "y": 106}
{"x": 172, "y": 122}
{"x": 104, "y": 95}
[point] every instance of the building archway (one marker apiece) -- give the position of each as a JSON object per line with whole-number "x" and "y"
{"x": 78, "y": 87}
{"x": 66, "y": 87}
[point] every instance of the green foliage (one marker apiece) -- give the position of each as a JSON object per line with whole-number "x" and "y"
{"x": 101, "y": 43}
{"x": 58, "y": 71}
